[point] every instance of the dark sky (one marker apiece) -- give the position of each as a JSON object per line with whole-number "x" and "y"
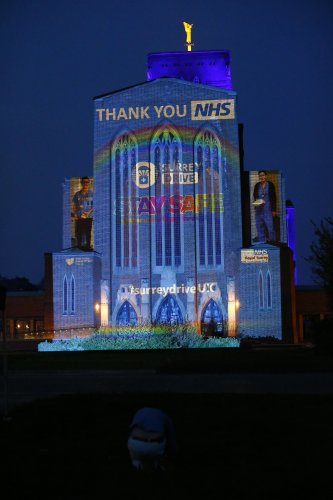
{"x": 56, "y": 56}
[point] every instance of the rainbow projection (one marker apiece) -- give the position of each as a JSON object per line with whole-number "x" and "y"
{"x": 167, "y": 191}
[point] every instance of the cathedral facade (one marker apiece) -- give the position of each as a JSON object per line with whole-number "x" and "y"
{"x": 174, "y": 237}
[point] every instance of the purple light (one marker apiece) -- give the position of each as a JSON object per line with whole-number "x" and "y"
{"x": 208, "y": 67}
{"x": 291, "y": 241}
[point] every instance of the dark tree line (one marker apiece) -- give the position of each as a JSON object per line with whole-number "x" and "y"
{"x": 321, "y": 258}
{"x": 18, "y": 284}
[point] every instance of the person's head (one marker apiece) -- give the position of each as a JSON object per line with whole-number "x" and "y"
{"x": 85, "y": 183}
{"x": 262, "y": 174}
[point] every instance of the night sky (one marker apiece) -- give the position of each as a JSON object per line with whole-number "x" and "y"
{"x": 56, "y": 56}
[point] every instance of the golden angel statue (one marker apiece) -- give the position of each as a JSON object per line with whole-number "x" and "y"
{"x": 188, "y": 28}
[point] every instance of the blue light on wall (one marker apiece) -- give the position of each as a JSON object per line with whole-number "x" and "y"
{"x": 291, "y": 238}
{"x": 208, "y": 67}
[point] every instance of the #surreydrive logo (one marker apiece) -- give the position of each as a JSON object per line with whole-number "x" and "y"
{"x": 174, "y": 289}
{"x": 144, "y": 174}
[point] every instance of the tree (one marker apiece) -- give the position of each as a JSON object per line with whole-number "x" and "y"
{"x": 321, "y": 258}
{"x": 18, "y": 284}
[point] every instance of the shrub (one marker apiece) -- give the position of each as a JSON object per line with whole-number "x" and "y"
{"x": 137, "y": 339}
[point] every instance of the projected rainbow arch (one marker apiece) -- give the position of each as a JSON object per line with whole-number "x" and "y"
{"x": 143, "y": 137}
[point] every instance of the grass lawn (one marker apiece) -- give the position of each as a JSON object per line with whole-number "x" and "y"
{"x": 261, "y": 358}
{"x": 230, "y": 447}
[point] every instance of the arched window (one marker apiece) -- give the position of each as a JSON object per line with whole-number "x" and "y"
{"x": 169, "y": 311}
{"x": 126, "y": 315}
{"x": 65, "y": 296}
{"x": 212, "y": 319}
{"x": 261, "y": 290}
{"x": 167, "y": 231}
{"x": 212, "y": 312}
{"x": 124, "y": 195}
{"x": 209, "y": 200}
{"x": 269, "y": 290}
{"x": 72, "y": 295}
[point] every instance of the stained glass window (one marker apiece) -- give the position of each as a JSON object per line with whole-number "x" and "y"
{"x": 169, "y": 311}
{"x": 125, "y": 226}
{"x": 126, "y": 315}
{"x": 209, "y": 222}
{"x": 167, "y": 234}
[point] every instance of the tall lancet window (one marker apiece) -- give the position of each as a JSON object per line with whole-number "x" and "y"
{"x": 72, "y": 294}
{"x": 124, "y": 195}
{"x": 209, "y": 200}
{"x": 65, "y": 296}
{"x": 261, "y": 290}
{"x": 269, "y": 290}
{"x": 167, "y": 230}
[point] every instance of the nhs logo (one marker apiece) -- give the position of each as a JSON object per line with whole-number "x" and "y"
{"x": 217, "y": 109}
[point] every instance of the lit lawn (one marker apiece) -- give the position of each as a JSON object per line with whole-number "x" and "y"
{"x": 129, "y": 340}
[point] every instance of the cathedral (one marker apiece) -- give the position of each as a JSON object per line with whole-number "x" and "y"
{"x": 170, "y": 228}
